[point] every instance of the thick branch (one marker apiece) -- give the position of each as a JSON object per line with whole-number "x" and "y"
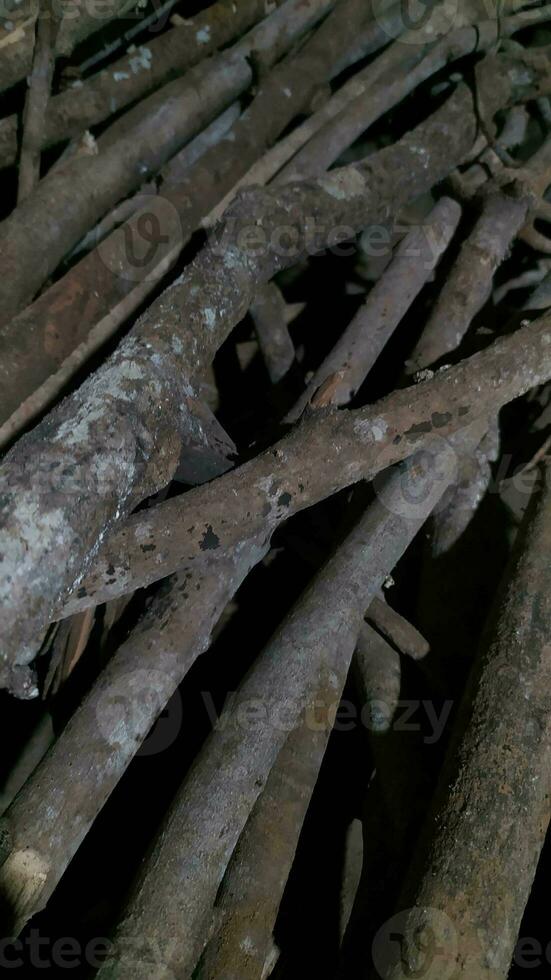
{"x": 120, "y": 440}
{"x": 325, "y": 453}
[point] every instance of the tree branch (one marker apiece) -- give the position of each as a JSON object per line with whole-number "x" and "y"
{"x": 328, "y": 451}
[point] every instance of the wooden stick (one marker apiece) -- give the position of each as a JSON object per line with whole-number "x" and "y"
{"x": 137, "y": 73}
{"x": 397, "y": 630}
{"x": 128, "y": 265}
{"x": 310, "y": 653}
{"x": 328, "y": 451}
{"x": 387, "y": 303}
{"x": 54, "y": 811}
{"x": 469, "y": 284}
{"x": 82, "y": 21}
{"x": 109, "y": 472}
{"x": 483, "y": 839}
{"x": 37, "y": 98}
{"x": 276, "y": 346}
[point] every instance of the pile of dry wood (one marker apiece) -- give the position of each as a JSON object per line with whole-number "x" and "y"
{"x": 276, "y": 296}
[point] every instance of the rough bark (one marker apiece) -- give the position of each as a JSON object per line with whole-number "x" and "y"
{"x": 115, "y": 440}
{"x": 491, "y": 814}
{"x": 351, "y": 359}
{"x": 153, "y": 64}
{"x": 127, "y": 265}
{"x": 328, "y": 451}
{"x": 80, "y": 22}
{"x": 169, "y": 912}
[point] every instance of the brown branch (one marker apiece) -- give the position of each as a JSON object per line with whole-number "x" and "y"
{"x": 37, "y": 98}
{"x": 328, "y": 451}
{"x": 49, "y": 391}
{"x": 60, "y": 801}
{"x": 309, "y": 654}
{"x": 81, "y": 22}
{"x": 249, "y": 898}
{"x": 378, "y": 677}
{"x": 127, "y": 266}
{"x": 393, "y": 76}
{"x": 363, "y": 340}
{"x": 33, "y": 243}
{"x": 469, "y": 284}
{"x": 130, "y": 78}
{"x": 122, "y": 440}
{"x": 268, "y": 314}
{"x": 268, "y": 166}
{"x": 397, "y": 630}
{"x": 495, "y": 786}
